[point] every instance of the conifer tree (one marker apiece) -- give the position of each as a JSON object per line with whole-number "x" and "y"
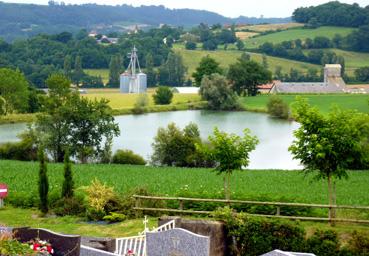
{"x": 43, "y": 183}
{"x": 150, "y": 72}
{"x": 68, "y": 66}
{"x": 78, "y": 70}
{"x": 114, "y": 71}
{"x": 68, "y": 184}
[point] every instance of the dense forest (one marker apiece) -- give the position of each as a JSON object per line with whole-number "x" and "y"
{"x": 24, "y": 20}
{"x": 333, "y": 14}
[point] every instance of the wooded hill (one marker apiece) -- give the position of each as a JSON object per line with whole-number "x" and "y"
{"x": 23, "y": 20}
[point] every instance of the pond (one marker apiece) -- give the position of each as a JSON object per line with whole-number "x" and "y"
{"x": 138, "y": 131}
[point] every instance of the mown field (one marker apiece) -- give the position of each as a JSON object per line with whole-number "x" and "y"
{"x": 274, "y": 185}
{"x": 70, "y": 224}
{"x": 359, "y": 102}
{"x": 293, "y": 34}
{"x": 268, "y": 27}
{"x": 225, "y": 58}
{"x": 353, "y": 60}
{"x": 126, "y": 101}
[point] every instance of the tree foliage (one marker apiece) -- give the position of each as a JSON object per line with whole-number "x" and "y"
{"x": 13, "y": 90}
{"x": 230, "y": 152}
{"x": 175, "y": 147}
{"x": 217, "y": 91}
{"x": 172, "y": 73}
{"x": 247, "y": 75}
{"x": 333, "y": 14}
{"x": 325, "y": 145}
{"x": 114, "y": 71}
{"x": 74, "y": 122}
{"x": 206, "y": 67}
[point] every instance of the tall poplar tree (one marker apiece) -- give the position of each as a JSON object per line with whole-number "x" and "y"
{"x": 43, "y": 183}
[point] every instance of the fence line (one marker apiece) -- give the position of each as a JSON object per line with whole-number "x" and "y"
{"x": 278, "y": 206}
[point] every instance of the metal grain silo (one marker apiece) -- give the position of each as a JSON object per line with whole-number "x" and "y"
{"x": 141, "y": 82}
{"x": 124, "y": 82}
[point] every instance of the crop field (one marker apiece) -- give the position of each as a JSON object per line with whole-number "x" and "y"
{"x": 268, "y": 27}
{"x": 22, "y": 179}
{"x": 359, "y": 102}
{"x": 225, "y": 58}
{"x": 294, "y": 34}
{"x": 245, "y": 35}
{"x": 126, "y": 101}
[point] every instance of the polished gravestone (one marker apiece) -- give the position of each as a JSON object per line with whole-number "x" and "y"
{"x": 62, "y": 244}
{"x": 176, "y": 242}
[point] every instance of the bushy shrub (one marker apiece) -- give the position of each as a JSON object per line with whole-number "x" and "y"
{"x": 190, "y": 45}
{"x": 324, "y": 243}
{"x": 24, "y": 150}
{"x": 115, "y": 217}
{"x": 128, "y": 157}
{"x": 141, "y": 104}
{"x": 358, "y": 244}
{"x": 277, "y": 107}
{"x": 163, "y": 95}
{"x": 73, "y": 206}
{"x": 23, "y": 200}
{"x": 98, "y": 197}
{"x": 254, "y": 236}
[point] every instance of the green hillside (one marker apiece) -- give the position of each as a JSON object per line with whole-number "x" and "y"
{"x": 294, "y": 34}
{"x": 225, "y": 58}
{"x": 353, "y": 60}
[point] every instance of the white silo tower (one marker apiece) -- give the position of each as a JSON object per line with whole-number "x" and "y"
{"x": 130, "y": 82}
{"x": 125, "y": 79}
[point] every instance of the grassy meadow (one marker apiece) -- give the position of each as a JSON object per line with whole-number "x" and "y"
{"x": 323, "y": 102}
{"x": 298, "y": 33}
{"x": 276, "y": 185}
{"x": 192, "y": 59}
{"x": 70, "y": 224}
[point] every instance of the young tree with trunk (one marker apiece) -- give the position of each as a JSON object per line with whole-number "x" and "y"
{"x": 325, "y": 145}
{"x": 230, "y": 152}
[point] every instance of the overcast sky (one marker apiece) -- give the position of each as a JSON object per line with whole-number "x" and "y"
{"x": 230, "y": 8}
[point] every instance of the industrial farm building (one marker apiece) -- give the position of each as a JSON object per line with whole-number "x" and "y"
{"x": 333, "y": 83}
{"x": 130, "y": 81}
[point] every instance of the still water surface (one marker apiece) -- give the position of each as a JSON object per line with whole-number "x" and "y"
{"x": 138, "y": 131}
